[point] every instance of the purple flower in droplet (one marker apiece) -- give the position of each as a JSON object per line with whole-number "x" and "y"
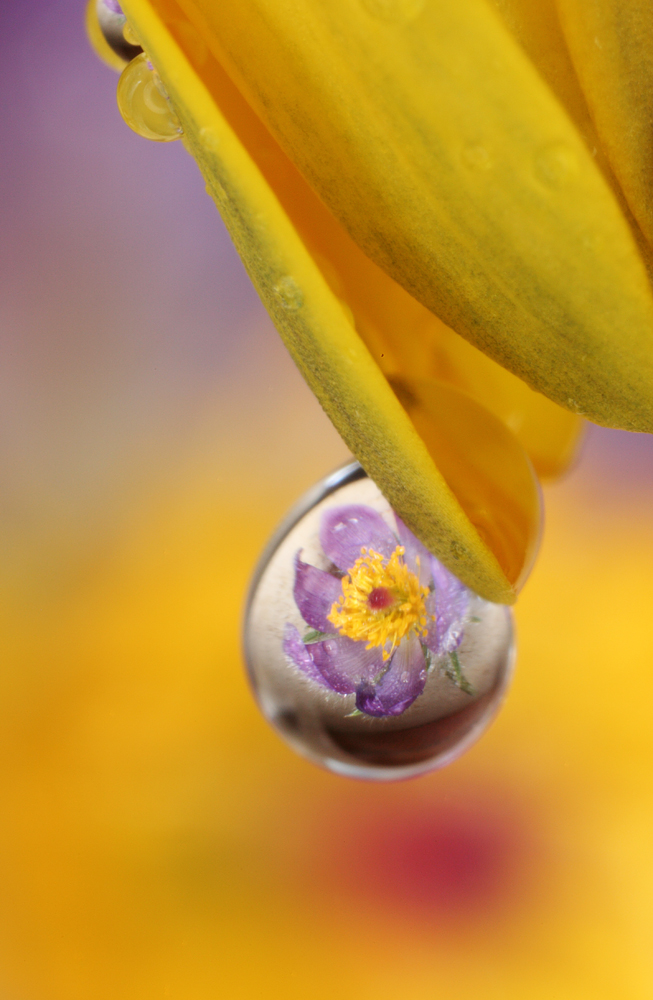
{"x": 378, "y": 616}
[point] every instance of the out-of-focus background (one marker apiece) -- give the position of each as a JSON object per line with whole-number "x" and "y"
{"x": 157, "y": 840}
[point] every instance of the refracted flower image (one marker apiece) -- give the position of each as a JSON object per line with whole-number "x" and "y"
{"x": 376, "y": 630}
{"x": 365, "y": 652}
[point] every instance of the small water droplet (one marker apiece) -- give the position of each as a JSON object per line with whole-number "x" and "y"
{"x": 115, "y": 29}
{"x": 352, "y": 711}
{"x": 289, "y": 293}
{"x": 555, "y": 165}
{"x": 144, "y": 104}
{"x": 209, "y": 138}
{"x": 395, "y": 11}
{"x": 130, "y": 36}
{"x": 477, "y": 157}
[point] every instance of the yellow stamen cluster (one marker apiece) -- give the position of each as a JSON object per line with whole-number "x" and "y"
{"x": 359, "y": 617}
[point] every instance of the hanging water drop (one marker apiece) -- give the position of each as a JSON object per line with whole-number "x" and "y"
{"x": 144, "y": 104}
{"x": 365, "y": 653}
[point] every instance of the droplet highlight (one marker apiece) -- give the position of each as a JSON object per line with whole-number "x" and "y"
{"x": 130, "y": 36}
{"x": 289, "y": 293}
{"x": 144, "y": 104}
{"x": 364, "y": 652}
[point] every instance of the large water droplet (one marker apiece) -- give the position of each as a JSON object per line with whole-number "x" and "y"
{"x": 144, "y": 104}
{"x": 339, "y": 703}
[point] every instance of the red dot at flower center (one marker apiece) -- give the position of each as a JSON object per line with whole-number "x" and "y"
{"x": 380, "y": 598}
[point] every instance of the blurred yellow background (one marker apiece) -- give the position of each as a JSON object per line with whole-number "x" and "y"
{"x": 157, "y": 839}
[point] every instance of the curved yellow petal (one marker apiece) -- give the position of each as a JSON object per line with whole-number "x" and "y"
{"x": 550, "y": 435}
{"x": 536, "y": 26}
{"x": 440, "y": 148}
{"x": 403, "y": 336}
{"x": 314, "y": 323}
{"x": 494, "y": 482}
{"x": 611, "y": 42}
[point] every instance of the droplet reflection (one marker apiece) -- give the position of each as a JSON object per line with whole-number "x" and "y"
{"x": 368, "y": 687}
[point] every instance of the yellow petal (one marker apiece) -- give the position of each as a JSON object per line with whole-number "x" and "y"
{"x": 494, "y": 482}
{"x": 311, "y": 318}
{"x": 402, "y": 335}
{"x": 536, "y": 26}
{"x": 437, "y": 144}
{"x": 550, "y": 435}
{"x": 611, "y": 43}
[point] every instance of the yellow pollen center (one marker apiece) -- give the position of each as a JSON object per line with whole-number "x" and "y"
{"x": 396, "y": 608}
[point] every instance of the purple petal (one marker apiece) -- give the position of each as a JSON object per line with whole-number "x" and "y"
{"x": 449, "y": 603}
{"x": 414, "y": 550}
{"x": 346, "y": 530}
{"x": 315, "y": 594}
{"x": 344, "y": 664}
{"x": 299, "y": 655}
{"x": 399, "y": 686}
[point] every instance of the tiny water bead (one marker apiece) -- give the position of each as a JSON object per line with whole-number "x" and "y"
{"x": 364, "y": 652}
{"x": 144, "y": 104}
{"x": 130, "y": 36}
{"x": 114, "y": 27}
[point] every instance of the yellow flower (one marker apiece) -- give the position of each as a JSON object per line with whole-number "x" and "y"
{"x": 392, "y": 171}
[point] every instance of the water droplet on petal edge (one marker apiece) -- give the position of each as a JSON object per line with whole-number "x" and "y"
{"x": 289, "y": 293}
{"x": 368, "y": 689}
{"x": 116, "y": 31}
{"x": 144, "y": 104}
